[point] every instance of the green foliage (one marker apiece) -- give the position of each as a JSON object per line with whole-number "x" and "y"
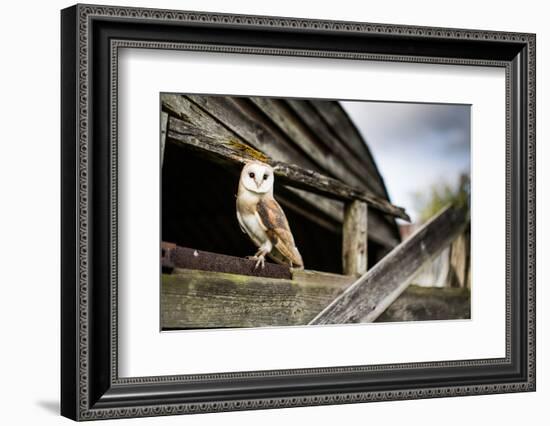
{"x": 440, "y": 195}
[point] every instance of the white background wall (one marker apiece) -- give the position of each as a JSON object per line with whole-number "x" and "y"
{"x": 29, "y": 211}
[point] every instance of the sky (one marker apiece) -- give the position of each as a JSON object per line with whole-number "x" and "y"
{"x": 415, "y": 146}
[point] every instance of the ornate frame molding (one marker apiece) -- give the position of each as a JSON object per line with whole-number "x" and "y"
{"x": 88, "y": 403}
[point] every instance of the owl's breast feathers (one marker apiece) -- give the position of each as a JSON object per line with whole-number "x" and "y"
{"x": 263, "y": 218}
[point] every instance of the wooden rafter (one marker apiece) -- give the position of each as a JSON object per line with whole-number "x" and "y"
{"x": 226, "y": 146}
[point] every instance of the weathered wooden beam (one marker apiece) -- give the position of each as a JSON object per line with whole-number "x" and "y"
{"x": 316, "y": 182}
{"x": 364, "y": 175}
{"x": 163, "y": 126}
{"x": 324, "y": 154}
{"x": 354, "y": 238}
{"x": 459, "y": 261}
{"x": 371, "y": 294}
{"x": 428, "y": 304}
{"x": 379, "y": 232}
{"x": 289, "y": 198}
{"x": 333, "y": 209}
{"x": 189, "y": 124}
{"x": 238, "y": 153}
{"x": 243, "y": 118}
{"x": 205, "y": 299}
{"x": 343, "y": 126}
{"x": 239, "y": 117}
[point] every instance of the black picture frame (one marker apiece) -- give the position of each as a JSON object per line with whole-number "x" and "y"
{"x": 90, "y": 386}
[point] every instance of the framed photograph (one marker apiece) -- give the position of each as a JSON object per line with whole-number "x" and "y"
{"x": 263, "y": 212}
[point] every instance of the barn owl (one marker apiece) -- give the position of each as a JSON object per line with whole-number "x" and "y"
{"x": 262, "y": 218}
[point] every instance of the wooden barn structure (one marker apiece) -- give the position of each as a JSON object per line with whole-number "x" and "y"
{"x": 328, "y": 184}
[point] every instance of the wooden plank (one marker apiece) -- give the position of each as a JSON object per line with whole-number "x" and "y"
{"x": 315, "y": 182}
{"x": 343, "y": 126}
{"x": 339, "y": 121}
{"x": 317, "y": 279}
{"x": 205, "y": 299}
{"x": 229, "y": 148}
{"x": 459, "y": 261}
{"x": 368, "y": 176}
{"x": 163, "y": 125}
{"x": 242, "y": 116}
{"x": 371, "y": 294}
{"x": 428, "y": 304}
{"x": 379, "y": 231}
{"x": 244, "y": 119}
{"x": 354, "y": 239}
{"x": 325, "y": 156}
{"x": 289, "y": 199}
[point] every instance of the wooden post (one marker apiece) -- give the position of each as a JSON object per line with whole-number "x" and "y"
{"x": 459, "y": 262}
{"x": 354, "y": 238}
{"x": 163, "y": 127}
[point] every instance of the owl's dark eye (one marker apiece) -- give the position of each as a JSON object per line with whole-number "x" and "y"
{"x": 251, "y": 174}
{"x": 265, "y": 177}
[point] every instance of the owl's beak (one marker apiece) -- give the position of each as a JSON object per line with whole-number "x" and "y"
{"x": 258, "y": 183}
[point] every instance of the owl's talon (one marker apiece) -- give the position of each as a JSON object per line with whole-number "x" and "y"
{"x": 260, "y": 261}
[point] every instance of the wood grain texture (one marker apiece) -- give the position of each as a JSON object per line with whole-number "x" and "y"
{"x": 342, "y": 125}
{"x": 342, "y": 150}
{"x": 284, "y": 117}
{"x": 459, "y": 261}
{"x": 428, "y": 304}
{"x": 246, "y": 121}
{"x": 204, "y": 299}
{"x": 345, "y": 163}
{"x": 354, "y": 238}
{"x": 334, "y": 209}
{"x": 326, "y": 121}
{"x": 163, "y": 129}
{"x": 370, "y": 295}
{"x": 288, "y": 174}
{"x": 196, "y": 129}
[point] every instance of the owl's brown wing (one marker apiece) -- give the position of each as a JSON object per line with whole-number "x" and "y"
{"x": 273, "y": 220}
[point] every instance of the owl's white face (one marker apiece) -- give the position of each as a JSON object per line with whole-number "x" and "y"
{"x": 257, "y": 177}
